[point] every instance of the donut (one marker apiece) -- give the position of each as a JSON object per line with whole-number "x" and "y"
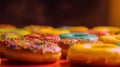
{"x": 64, "y": 27}
{"x": 78, "y": 29}
{"x": 94, "y": 54}
{"x": 67, "y": 40}
{"x": 21, "y": 32}
{"x": 97, "y": 33}
{"x": 33, "y": 50}
{"x": 36, "y": 28}
{"x": 90, "y": 37}
{"x": 6, "y": 36}
{"x": 65, "y": 44}
{"x": 6, "y": 30}
{"x": 58, "y": 31}
{"x": 12, "y": 33}
{"x": 7, "y": 26}
{"x": 114, "y": 39}
{"x": 110, "y": 29}
{"x": 54, "y": 31}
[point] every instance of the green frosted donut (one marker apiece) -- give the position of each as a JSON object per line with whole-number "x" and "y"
{"x": 90, "y": 37}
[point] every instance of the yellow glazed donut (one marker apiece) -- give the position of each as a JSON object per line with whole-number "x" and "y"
{"x": 37, "y": 28}
{"x": 54, "y": 31}
{"x": 114, "y": 39}
{"x": 94, "y": 54}
{"x": 110, "y": 29}
{"x": 78, "y": 29}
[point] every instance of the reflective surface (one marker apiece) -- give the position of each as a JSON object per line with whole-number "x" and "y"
{"x": 61, "y": 63}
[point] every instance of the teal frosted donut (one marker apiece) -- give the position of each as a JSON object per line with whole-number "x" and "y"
{"x": 90, "y": 37}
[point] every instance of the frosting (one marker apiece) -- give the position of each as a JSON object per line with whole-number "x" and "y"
{"x": 31, "y": 44}
{"x": 70, "y": 42}
{"x": 110, "y": 29}
{"x": 114, "y": 39}
{"x": 90, "y": 37}
{"x": 21, "y": 31}
{"x": 46, "y": 37}
{"x": 97, "y": 33}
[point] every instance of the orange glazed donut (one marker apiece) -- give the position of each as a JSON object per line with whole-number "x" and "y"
{"x": 7, "y": 26}
{"x": 94, "y": 54}
{"x": 32, "y": 50}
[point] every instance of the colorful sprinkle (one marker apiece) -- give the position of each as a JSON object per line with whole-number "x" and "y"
{"x": 41, "y": 44}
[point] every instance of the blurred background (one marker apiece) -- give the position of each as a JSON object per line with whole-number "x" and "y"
{"x": 60, "y": 12}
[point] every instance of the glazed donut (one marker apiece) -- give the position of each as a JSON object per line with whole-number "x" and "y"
{"x": 94, "y": 54}
{"x": 67, "y": 40}
{"x": 97, "y": 33}
{"x": 109, "y": 29}
{"x": 32, "y": 50}
{"x": 21, "y": 32}
{"x": 114, "y": 39}
{"x": 37, "y": 28}
{"x": 6, "y": 36}
{"x": 7, "y": 33}
{"x": 8, "y": 26}
{"x": 54, "y": 31}
{"x": 77, "y": 29}
{"x": 64, "y": 27}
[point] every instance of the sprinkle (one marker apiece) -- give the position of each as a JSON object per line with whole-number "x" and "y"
{"x": 50, "y": 46}
{"x": 38, "y": 46}
{"x": 43, "y": 51}
{"x": 34, "y": 46}
{"x": 25, "y": 47}
{"x": 12, "y": 45}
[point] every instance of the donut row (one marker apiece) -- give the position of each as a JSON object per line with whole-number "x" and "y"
{"x": 44, "y": 44}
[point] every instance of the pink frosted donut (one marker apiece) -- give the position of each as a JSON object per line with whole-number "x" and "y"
{"x": 97, "y": 33}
